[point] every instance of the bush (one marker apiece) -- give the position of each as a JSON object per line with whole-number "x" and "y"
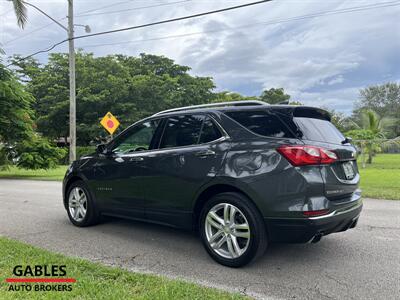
{"x": 38, "y": 153}
{"x": 84, "y": 150}
{"x": 80, "y": 151}
{"x": 6, "y": 156}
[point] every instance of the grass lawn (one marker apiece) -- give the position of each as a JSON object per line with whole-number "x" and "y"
{"x": 94, "y": 281}
{"x": 381, "y": 179}
{"x": 52, "y": 174}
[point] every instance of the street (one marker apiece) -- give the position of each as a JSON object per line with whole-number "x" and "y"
{"x": 363, "y": 263}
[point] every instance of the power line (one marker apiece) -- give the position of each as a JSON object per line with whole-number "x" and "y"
{"x": 130, "y": 9}
{"x": 359, "y": 8}
{"x": 61, "y": 19}
{"x": 144, "y": 25}
{"x": 30, "y": 32}
{"x": 172, "y": 20}
{"x": 273, "y": 22}
{"x": 105, "y": 6}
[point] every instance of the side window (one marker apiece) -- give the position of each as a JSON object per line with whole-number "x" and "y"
{"x": 262, "y": 123}
{"x": 138, "y": 139}
{"x": 182, "y": 131}
{"x": 210, "y": 132}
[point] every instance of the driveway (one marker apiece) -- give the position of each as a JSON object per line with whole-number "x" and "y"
{"x": 363, "y": 263}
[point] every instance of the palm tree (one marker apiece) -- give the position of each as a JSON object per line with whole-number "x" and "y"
{"x": 373, "y": 123}
{"x": 20, "y": 12}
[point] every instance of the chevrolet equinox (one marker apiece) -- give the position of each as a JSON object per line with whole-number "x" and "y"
{"x": 242, "y": 174}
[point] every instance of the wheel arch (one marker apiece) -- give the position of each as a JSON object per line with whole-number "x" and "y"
{"x": 211, "y": 191}
{"x": 70, "y": 181}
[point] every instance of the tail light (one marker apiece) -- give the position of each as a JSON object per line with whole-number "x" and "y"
{"x": 307, "y": 155}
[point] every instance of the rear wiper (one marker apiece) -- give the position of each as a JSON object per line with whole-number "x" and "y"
{"x": 347, "y": 140}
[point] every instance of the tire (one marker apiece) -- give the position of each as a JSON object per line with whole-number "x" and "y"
{"x": 91, "y": 216}
{"x": 245, "y": 245}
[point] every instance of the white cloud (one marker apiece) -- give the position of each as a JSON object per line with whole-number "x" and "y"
{"x": 335, "y": 80}
{"x": 322, "y": 60}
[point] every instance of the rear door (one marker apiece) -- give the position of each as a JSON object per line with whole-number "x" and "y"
{"x": 341, "y": 178}
{"x": 190, "y": 153}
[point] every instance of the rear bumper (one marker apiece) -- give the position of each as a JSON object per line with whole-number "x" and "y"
{"x": 312, "y": 229}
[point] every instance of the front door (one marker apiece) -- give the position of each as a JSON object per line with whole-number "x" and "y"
{"x": 120, "y": 173}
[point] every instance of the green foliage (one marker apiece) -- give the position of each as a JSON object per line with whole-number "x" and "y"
{"x": 370, "y": 138}
{"x": 80, "y": 151}
{"x": 274, "y": 96}
{"x": 227, "y": 96}
{"x": 367, "y": 141}
{"x": 37, "y": 153}
{"x": 15, "y": 112}
{"x": 341, "y": 121}
{"x": 20, "y": 12}
{"x": 84, "y": 150}
{"x": 130, "y": 87}
{"x": 384, "y": 100}
{"x": 361, "y": 134}
{"x": 295, "y": 103}
{"x": 6, "y": 156}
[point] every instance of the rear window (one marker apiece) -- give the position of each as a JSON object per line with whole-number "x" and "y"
{"x": 319, "y": 130}
{"x": 262, "y": 123}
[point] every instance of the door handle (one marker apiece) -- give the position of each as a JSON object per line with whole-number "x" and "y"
{"x": 204, "y": 154}
{"x": 136, "y": 159}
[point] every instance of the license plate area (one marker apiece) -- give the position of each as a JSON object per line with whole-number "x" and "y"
{"x": 348, "y": 170}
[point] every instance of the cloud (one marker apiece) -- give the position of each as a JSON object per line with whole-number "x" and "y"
{"x": 336, "y": 80}
{"x": 319, "y": 61}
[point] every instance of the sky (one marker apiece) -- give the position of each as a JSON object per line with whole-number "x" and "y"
{"x": 321, "y": 52}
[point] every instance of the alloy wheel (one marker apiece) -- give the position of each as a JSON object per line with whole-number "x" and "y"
{"x": 77, "y": 204}
{"x": 227, "y": 230}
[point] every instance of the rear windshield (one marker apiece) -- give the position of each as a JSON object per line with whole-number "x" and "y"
{"x": 318, "y": 130}
{"x": 262, "y": 123}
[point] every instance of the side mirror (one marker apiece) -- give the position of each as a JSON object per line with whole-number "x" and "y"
{"x": 101, "y": 149}
{"x": 347, "y": 140}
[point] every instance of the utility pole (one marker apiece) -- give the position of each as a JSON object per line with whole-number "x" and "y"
{"x": 72, "y": 92}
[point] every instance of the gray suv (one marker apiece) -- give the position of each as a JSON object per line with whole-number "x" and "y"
{"x": 242, "y": 174}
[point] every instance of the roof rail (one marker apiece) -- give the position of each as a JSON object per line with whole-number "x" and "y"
{"x": 219, "y": 104}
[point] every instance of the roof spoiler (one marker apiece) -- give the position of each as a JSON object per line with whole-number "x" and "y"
{"x": 311, "y": 112}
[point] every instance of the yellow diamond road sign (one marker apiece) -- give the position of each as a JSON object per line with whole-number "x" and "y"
{"x": 110, "y": 123}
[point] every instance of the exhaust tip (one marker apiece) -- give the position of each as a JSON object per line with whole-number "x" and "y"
{"x": 317, "y": 238}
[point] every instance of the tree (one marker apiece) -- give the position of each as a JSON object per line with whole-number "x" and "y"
{"x": 227, "y": 96}
{"x": 371, "y": 136}
{"x": 341, "y": 121}
{"x": 38, "y": 153}
{"x": 15, "y": 109}
{"x": 20, "y": 12}
{"x": 366, "y": 142}
{"x": 130, "y": 87}
{"x": 274, "y": 96}
{"x": 384, "y": 99}
{"x": 15, "y": 114}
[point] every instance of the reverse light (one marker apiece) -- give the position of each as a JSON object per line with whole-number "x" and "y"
{"x": 307, "y": 155}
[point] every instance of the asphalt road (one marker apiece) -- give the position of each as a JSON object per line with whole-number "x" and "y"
{"x": 363, "y": 263}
